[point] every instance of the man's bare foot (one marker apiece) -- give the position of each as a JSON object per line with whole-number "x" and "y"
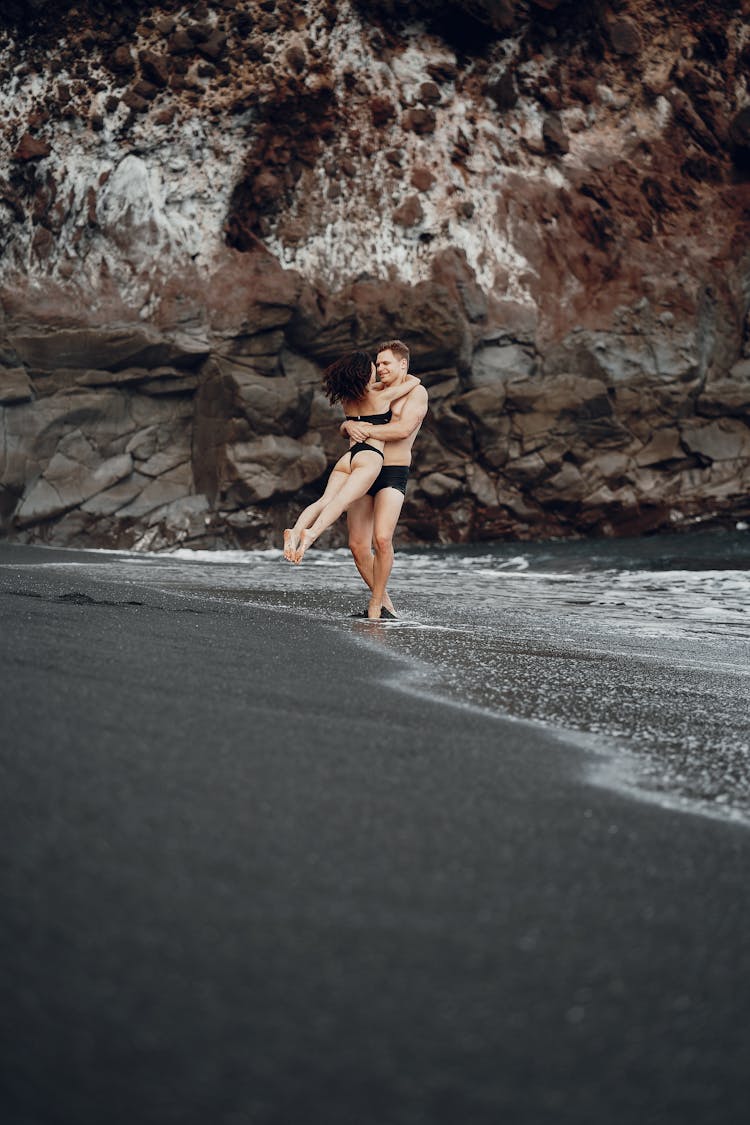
{"x": 290, "y": 543}
{"x": 373, "y": 610}
{"x": 305, "y": 540}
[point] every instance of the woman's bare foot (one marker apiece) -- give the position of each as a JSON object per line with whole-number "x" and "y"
{"x": 305, "y": 540}
{"x": 290, "y": 543}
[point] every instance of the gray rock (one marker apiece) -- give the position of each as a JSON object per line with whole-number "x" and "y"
{"x": 495, "y": 363}
{"x": 440, "y": 488}
{"x": 112, "y": 499}
{"x": 277, "y": 405}
{"x": 724, "y": 440}
{"x": 272, "y": 466}
{"x": 173, "y": 485}
{"x": 14, "y": 386}
{"x": 665, "y": 445}
{"x": 72, "y": 477}
{"x": 110, "y": 378}
{"x": 107, "y": 349}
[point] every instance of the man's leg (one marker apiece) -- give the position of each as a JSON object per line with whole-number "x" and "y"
{"x": 388, "y": 504}
{"x": 361, "y": 517}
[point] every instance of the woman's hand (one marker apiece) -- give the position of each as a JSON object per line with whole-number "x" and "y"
{"x": 357, "y": 431}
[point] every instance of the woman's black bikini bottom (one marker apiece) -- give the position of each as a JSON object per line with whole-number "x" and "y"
{"x": 358, "y": 447}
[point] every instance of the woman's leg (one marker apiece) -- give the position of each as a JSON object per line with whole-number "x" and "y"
{"x": 364, "y": 470}
{"x": 336, "y": 481}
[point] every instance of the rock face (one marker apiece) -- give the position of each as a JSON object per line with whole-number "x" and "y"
{"x": 203, "y": 203}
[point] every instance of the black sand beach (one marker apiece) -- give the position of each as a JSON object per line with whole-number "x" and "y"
{"x": 245, "y": 881}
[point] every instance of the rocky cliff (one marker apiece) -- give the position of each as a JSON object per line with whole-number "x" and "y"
{"x": 202, "y": 203}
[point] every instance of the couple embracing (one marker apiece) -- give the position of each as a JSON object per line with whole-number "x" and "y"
{"x": 384, "y": 407}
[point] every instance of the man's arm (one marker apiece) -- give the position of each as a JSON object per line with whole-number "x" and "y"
{"x": 409, "y": 420}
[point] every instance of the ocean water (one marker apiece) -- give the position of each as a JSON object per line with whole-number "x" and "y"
{"x": 636, "y": 650}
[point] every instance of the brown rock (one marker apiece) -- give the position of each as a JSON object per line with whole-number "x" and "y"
{"x": 180, "y": 43}
{"x": 155, "y": 68}
{"x": 422, "y": 179}
{"x": 267, "y": 188}
{"x": 624, "y": 36}
{"x": 296, "y": 57}
{"x": 165, "y": 116}
{"x": 165, "y": 25}
{"x": 30, "y": 148}
{"x": 143, "y": 89}
{"x": 442, "y": 71}
{"x": 410, "y": 213}
{"x": 429, "y": 93}
{"x": 135, "y": 102}
{"x": 420, "y": 121}
{"x": 121, "y": 61}
{"x": 382, "y": 110}
{"x": 503, "y": 90}
{"x": 554, "y": 135}
{"x": 214, "y": 46}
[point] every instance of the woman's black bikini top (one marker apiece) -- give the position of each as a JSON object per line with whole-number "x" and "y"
{"x": 373, "y": 419}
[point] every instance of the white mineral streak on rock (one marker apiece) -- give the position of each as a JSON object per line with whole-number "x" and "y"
{"x": 162, "y": 204}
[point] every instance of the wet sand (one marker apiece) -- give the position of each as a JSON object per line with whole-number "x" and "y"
{"x": 246, "y": 880}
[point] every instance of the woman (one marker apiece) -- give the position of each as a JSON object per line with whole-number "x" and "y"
{"x": 350, "y": 381}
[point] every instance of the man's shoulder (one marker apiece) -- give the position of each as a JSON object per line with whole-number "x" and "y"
{"x": 417, "y": 394}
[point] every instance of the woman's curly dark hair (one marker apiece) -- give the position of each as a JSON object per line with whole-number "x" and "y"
{"x": 347, "y": 378}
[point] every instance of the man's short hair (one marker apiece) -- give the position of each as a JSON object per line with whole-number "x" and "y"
{"x": 398, "y": 347}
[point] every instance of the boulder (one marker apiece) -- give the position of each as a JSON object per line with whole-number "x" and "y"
{"x": 440, "y": 488}
{"x": 271, "y": 466}
{"x": 495, "y": 363}
{"x": 664, "y": 445}
{"x": 172, "y": 485}
{"x": 724, "y": 440}
{"x": 74, "y": 474}
{"x": 114, "y": 499}
{"x": 624, "y": 36}
{"x": 270, "y": 405}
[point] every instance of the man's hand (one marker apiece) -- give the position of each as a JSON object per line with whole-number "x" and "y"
{"x": 357, "y": 431}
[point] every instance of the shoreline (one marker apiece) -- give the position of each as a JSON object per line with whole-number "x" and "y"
{"x": 604, "y": 759}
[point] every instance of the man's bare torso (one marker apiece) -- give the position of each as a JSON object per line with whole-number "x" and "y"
{"x": 399, "y": 452}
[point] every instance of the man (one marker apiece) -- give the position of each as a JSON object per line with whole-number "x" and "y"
{"x": 373, "y": 518}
